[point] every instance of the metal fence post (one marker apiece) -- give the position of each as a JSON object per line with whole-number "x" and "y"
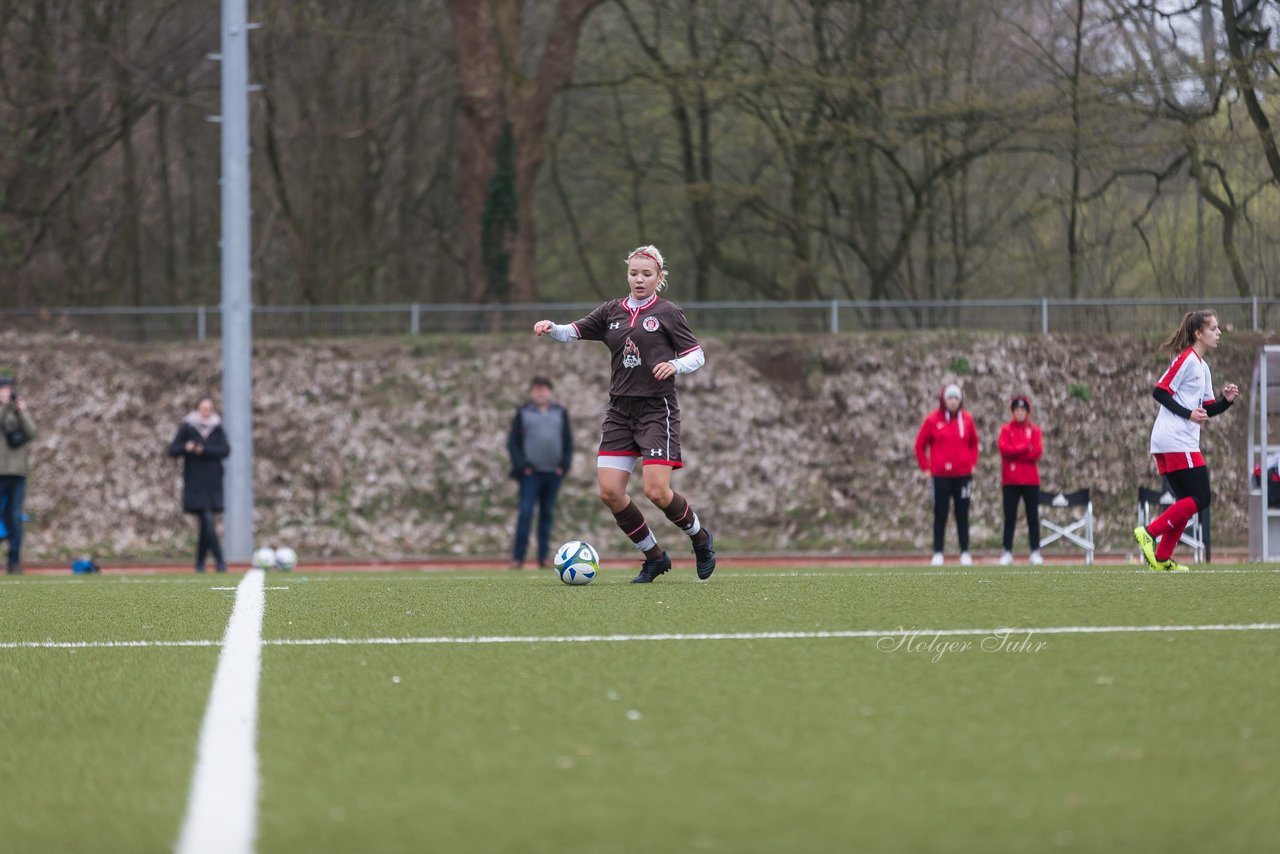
{"x": 201, "y": 324}
{"x": 835, "y": 317}
{"x": 1044, "y": 315}
{"x": 415, "y": 319}
{"x": 1255, "y": 313}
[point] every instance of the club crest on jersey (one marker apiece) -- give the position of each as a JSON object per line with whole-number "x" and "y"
{"x": 650, "y": 324}
{"x": 630, "y": 354}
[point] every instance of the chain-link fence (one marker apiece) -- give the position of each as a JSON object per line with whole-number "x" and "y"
{"x": 1032, "y": 316}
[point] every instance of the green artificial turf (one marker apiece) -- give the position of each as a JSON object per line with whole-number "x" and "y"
{"x": 1140, "y": 741}
{"x": 97, "y": 745}
{"x": 1157, "y": 741}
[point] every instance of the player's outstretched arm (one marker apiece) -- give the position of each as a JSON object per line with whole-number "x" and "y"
{"x": 555, "y": 330}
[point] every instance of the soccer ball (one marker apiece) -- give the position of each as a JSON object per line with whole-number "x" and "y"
{"x": 286, "y": 559}
{"x": 265, "y": 558}
{"x": 577, "y": 562}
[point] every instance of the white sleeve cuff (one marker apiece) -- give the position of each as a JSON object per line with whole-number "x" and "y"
{"x": 690, "y": 362}
{"x": 565, "y": 333}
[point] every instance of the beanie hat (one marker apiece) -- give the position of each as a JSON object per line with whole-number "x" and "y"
{"x": 952, "y": 390}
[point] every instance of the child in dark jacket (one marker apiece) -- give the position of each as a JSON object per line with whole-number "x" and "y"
{"x": 947, "y": 451}
{"x": 1020, "y": 449}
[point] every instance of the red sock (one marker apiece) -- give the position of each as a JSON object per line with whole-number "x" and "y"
{"x": 1169, "y": 525}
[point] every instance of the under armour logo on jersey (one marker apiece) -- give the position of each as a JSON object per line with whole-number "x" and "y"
{"x": 617, "y": 324}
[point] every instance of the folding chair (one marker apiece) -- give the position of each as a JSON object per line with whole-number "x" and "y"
{"x": 1192, "y": 535}
{"x": 1068, "y": 530}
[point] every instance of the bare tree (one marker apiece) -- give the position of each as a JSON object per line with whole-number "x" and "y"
{"x": 507, "y": 89}
{"x": 1245, "y": 34}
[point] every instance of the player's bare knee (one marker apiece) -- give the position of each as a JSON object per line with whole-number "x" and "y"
{"x": 660, "y": 496}
{"x": 613, "y": 499}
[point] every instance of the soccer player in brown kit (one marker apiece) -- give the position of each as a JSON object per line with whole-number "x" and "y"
{"x": 650, "y": 342}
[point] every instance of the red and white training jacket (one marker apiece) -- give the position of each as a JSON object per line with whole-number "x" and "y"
{"x": 947, "y": 443}
{"x": 1189, "y": 381}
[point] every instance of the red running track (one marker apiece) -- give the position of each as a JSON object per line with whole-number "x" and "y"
{"x": 446, "y": 564}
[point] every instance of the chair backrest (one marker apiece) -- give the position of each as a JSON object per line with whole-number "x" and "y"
{"x": 1155, "y": 496}
{"x": 1079, "y": 498}
{"x": 1079, "y": 530}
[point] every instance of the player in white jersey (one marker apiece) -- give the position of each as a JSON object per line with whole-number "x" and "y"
{"x": 1187, "y": 401}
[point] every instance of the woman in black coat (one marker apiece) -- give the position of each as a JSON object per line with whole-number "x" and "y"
{"x": 202, "y": 445}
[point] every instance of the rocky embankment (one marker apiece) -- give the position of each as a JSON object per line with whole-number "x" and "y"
{"x": 388, "y": 448}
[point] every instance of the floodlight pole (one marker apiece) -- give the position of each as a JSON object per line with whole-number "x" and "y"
{"x": 237, "y": 297}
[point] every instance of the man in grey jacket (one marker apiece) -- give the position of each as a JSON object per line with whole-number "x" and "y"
{"x": 541, "y": 448}
{"x": 16, "y": 432}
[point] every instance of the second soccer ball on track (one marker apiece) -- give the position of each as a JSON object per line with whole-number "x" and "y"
{"x": 577, "y": 563}
{"x": 284, "y": 559}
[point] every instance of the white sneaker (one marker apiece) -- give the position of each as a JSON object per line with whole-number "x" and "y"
{"x": 965, "y": 559}
{"x": 937, "y": 559}
{"x": 1036, "y": 559}
{"x": 1006, "y": 558}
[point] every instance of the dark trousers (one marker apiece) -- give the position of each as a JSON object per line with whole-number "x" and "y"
{"x": 208, "y": 541}
{"x": 13, "y": 488}
{"x": 536, "y": 490}
{"x": 1029, "y": 495}
{"x": 946, "y": 490}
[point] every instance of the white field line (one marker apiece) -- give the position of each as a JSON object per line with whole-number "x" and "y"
{"x": 702, "y": 636}
{"x": 222, "y": 806}
{"x": 985, "y": 573}
{"x": 150, "y": 644}
{"x": 475, "y": 576}
{"x": 852, "y": 572}
{"x": 668, "y": 636}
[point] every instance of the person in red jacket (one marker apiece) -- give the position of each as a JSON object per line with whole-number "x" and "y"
{"x": 947, "y": 451}
{"x": 1020, "y": 449}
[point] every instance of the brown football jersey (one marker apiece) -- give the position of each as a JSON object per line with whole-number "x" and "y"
{"x": 639, "y": 338}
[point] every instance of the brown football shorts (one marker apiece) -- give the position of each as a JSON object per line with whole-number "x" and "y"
{"x": 647, "y": 428}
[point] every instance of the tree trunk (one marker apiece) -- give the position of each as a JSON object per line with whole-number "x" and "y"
{"x": 170, "y": 238}
{"x": 497, "y": 93}
{"x": 130, "y": 263}
{"x": 1244, "y": 79}
{"x": 1227, "y": 208}
{"x": 1073, "y": 222}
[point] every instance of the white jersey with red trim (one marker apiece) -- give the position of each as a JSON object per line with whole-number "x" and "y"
{"x": 1191, "y": 385}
